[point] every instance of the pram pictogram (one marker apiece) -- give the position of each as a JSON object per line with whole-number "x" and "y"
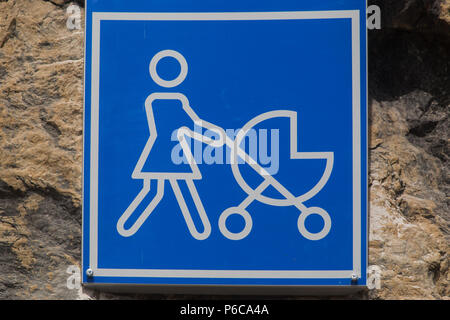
{"x": 269, "y": 180}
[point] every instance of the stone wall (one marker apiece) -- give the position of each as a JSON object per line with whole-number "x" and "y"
{"x": 409, "y": 86}
{"x": 41, "y": 90}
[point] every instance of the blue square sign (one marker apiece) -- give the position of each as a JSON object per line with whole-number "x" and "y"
{"x": 225, "y": 143}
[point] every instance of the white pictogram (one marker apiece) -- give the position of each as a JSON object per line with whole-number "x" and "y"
{"x": 193, "y": 173}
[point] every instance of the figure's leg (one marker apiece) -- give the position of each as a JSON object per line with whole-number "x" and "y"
{"x": 144, "y": 215}
{"x": 187, "y": 215}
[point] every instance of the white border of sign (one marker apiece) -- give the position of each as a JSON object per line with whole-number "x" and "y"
{"x": 354, "y": 15}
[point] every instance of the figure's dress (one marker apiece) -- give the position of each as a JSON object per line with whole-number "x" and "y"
{"x": 169, "y": 116}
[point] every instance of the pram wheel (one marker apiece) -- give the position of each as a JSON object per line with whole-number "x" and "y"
{"x": 326, "y": 223}
{"x": 239, "y": 211}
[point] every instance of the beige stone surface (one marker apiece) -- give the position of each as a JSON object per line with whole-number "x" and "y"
{"x": 406, "y": 234}
{"x": 445, "y": 11}
{"x": 41, "y": 89}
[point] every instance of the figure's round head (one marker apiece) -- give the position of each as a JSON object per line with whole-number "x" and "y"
{"x": 183, "y": 68}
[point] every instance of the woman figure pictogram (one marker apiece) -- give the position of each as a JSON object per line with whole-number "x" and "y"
{"x": 156, "y": 148}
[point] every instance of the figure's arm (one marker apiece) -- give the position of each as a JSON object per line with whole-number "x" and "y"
{"x": 223, "y": 138}
{"x": 203, "y": 124}
{"x": 185, "y": 131}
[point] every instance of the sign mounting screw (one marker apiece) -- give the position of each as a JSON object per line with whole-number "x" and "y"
{"x": 89, "y": 272}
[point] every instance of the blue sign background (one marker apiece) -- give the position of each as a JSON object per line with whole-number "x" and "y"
{"x": 237, "y": 70}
